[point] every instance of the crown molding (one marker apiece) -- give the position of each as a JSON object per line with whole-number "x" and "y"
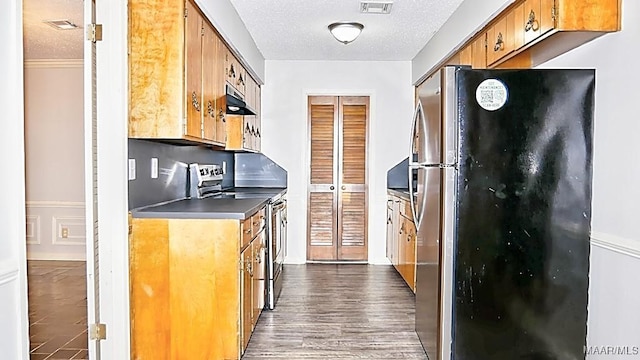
{"x": 614, "y": 243}
{"x": 54, "y": 63}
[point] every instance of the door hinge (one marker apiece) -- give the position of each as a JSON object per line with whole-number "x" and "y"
{"x": 186, "y": 12}
{"x": 98, "y": 332}
{"x": 94, "y": 32}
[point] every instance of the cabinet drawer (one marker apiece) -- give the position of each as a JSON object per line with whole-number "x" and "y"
{"x": 247, "y": 232}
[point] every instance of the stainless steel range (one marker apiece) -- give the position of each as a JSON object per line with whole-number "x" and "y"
{"x": 276, "y": 251}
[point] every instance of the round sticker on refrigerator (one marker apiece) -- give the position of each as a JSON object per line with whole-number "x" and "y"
{"x": 492, "y": 94}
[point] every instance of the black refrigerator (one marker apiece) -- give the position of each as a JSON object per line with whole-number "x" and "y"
{"x": 500, "y": 173}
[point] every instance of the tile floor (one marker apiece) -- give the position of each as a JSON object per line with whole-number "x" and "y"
{"x": 57, "y": 309}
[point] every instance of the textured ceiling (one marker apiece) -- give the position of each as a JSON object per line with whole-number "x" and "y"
{"x": 41, "y": 41}
{"x": 282, "y": 29}
{"x": 297, "y": 29}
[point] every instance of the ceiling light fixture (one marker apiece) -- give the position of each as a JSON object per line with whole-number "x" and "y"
{"x": 63, "y": 24}
{"x": 346, "y": 32}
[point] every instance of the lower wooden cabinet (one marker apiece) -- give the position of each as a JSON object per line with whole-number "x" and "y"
{"x": 401, "y": 239}
{"x": 195, "y": 291}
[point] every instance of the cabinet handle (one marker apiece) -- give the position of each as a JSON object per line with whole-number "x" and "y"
{"x": 240, "y": 80}
{"x": 231, "y": 73}
{"x": 195, "y": 102}
{"x": 221, "y": 115}
{"x": 258, "y": 132}
{"x": 248, "y": 231}
{"x": 532, "y": 23}
{"x": 389, "y": 221}
{"x": 332, "y": 187}
{"x": 253, "y": 131}
{"x": 210, "y": 109}
{"x": 499, "y": 43}
{"x": 247, "y": 129}
{"x": 343, "y": 187}
{"x": 249, "y": 268}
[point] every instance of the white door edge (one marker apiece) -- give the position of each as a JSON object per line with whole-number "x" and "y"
{"x": 14, "y": 319}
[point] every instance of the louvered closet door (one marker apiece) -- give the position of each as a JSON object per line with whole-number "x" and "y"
{"x": 352, "y": 204}
{"x": 337, "y": 180}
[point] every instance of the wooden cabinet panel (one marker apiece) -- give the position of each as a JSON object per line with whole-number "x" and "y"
{"x": 246, "y": 295}
{"x": 466, "y": 55}
{"x": 220, "y": 92}
{"x": 194, "y": 294}
{"x": 193, "y": 72}
{"x": 588, "y": 15}
{"x": 210, "y": 93}
{"x": 156, "y": 69}
{"x": 185, "y": 289}
{"x": 479, "y": 52}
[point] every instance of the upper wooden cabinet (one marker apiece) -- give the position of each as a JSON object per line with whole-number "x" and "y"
{"x": 178, "y": 71}
{"x": 172, "y": 84}
{"x": 530, "y": 32}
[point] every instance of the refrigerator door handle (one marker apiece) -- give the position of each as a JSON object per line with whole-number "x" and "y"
{"x": 417, "y": 218}
{"x": 418, "y": 112}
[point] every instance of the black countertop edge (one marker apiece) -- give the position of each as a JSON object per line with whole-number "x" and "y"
{"x": 211, "y": 207}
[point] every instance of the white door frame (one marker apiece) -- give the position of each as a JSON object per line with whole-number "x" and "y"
{"x": 112, "y": 183}
{"x": 14, "y": 320}
{"x": 112, "y": 111}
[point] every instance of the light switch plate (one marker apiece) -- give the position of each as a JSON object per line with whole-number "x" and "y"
{"x": 132, "y": 169}
{"x": 154, "y": 168}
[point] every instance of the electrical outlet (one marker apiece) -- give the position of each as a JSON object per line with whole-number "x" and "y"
{"x": 64, "y": 233}
{"x": 154, "y": 168}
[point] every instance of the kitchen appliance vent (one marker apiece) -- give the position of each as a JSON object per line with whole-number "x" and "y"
{"x": 376, "y": 6}
{"x": 63, "y": 24}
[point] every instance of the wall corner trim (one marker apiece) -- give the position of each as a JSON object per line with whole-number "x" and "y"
{"x": 617, "y": 244}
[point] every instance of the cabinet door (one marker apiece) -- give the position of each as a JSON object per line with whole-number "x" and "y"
{"x": 259, "y": 272}
{"x": 410, "y": 254}
{"x": 497, "y": 41}
{"x": 466, "y": 56}
{"x": 220, "y": 91}
{"x": 193, "y": 72}
{"x": 246, "y": 295}
{"x": 258, "y": 119}
{"x": 539, "y": 18}
{"x": 479, "y": 52}
{"x": 209, "y": 92}
{"x": 390, "y": 230}
{"x": 401, "y": 253}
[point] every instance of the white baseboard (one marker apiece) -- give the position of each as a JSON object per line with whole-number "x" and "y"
{"x": 57, "y": 256}
{"x": 615, "y": 243}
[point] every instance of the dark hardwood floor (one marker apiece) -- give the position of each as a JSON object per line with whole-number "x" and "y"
{"x": 339, "y": 312}
{"x": 57, "y": 309}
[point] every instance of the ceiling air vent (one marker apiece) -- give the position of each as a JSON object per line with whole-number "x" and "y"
{"x": 376, "y": 6}
{"x": 63, "y": 24}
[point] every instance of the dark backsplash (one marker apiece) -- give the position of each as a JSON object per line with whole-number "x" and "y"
{"x": 257, "y": 170}
{"x": 398, "y": 176}
{"x": 172, "y": 170}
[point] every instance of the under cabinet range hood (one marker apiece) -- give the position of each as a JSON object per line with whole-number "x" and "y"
{"x": 236, "y": 104}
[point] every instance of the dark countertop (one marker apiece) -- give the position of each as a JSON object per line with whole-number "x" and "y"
{"x": 404, "y": 193}
{"x": 236, "y": 203}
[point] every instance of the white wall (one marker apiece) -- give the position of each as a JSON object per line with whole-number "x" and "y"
{"x": 14, "y": 323}
{"x": 284, "y": 117}
{"x": 226, "y": 20}
{"x": 54, "y": 146}
{"x": 614, "y": 316}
